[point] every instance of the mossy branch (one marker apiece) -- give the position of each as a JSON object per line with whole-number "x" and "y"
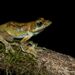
{"x": 35, "y": 61}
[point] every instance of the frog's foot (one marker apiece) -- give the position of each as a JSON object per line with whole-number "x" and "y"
{"x": 29, "y": 47}
{"x": 7, "y": 45}
{"x": 16, "y": 44}
{"x": 26, "y": 45}
{"x": 9, "y": 48}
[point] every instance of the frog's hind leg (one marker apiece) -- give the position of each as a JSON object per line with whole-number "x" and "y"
{"x": 7, "y": 45}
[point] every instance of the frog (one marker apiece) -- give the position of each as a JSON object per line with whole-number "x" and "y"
{"x": 21, "y": 30}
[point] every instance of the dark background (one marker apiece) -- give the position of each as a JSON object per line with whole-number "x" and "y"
{"x": 59, "y": 36}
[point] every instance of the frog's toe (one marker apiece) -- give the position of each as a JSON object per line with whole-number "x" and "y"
{"x": 16, "y": 44}
{"x": 9, "y": 49}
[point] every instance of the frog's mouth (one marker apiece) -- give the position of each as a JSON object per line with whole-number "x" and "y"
{"x": 38, "y": 30}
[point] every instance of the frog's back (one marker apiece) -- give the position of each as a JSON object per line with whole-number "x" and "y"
{"x": 2, "y": 27}
{"x": 4, "y": 34}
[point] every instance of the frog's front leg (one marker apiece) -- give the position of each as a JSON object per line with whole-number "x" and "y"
{"x": 7, "y": 45}
{"x": 25, "y": 39}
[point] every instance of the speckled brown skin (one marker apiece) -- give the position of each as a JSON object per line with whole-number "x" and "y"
{"x": 23, "y": 30}
{"x": 11, "y": 30}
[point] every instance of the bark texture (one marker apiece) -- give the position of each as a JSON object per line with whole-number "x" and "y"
{"x": 34, "y": 60}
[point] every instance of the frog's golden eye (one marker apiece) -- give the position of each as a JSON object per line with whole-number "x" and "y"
{"x": 39, "y": 24}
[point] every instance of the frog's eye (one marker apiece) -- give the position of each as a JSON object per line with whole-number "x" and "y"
{"x": 39, "y": 24}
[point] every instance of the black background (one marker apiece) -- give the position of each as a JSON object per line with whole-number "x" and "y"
{"x": 59, "y": 36}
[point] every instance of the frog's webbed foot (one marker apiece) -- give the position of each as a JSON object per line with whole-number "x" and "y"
{"x": 29, "y": 47}
{"x": 7, "y": 45}
{"x": 9, "y": 48}
{"x": 24, "y": 45}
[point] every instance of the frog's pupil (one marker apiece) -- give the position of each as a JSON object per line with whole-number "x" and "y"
{"x": 39, "y": 24}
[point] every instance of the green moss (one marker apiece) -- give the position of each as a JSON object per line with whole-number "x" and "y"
{"x": 20, "y": 63}
{"x": 2, "y": 47}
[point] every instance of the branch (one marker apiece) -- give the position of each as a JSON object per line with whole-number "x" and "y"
{"x": 34, "y": 60}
